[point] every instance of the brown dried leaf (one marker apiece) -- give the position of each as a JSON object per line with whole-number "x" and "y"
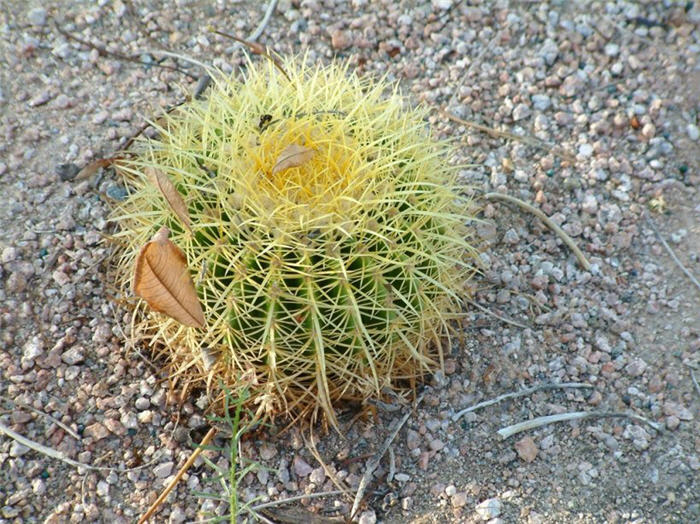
{"x": 170, "y": 193}
{"x": 293, "y": 155}
{"x": 93, "y": 167}
{"x": 162, "y": 279}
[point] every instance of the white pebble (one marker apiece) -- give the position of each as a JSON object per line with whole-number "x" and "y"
{"x": 541, "y": 102}
{"x": 63, "y": 50}
{"x": 442, "y": 4}
{"x": 693, "y": 131}
{"x": 17, "y": 449}
{"x": 9, "y": 254}
{"x": 489, "y": 509}
{"x": 521, "y": 111}
{"x": 163, "y": 470}
{"x": 37, "y": 16}
{"x": 585, "y": 150}
{"x": 612, "y": 50}
{"x": 368, "y": 517}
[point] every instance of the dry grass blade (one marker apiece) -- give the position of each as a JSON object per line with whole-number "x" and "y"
{"x": 692, "y": 377}
{"x": 670, "y": 251}
{"x": 154, "y": 507}
{"x": 60, "y": 424}
{"x": 531, "y": 141}
{"x": 171, "y": 194}
{"x": 374, "y": 463}
{"x": 163, "y": 280}
{"x": 499, "y": 317}
{"x": 59, "y": 455}
{"x": 548, "y": 222}
{"x": 293, "y": 155}
{"x": 255, "y": 48}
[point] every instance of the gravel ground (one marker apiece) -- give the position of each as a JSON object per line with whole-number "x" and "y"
{"x": 615, "y": 86}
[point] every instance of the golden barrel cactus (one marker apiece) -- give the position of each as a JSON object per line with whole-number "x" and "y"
{"x": 324, "y": 231}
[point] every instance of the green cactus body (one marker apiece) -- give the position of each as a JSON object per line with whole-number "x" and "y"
{"x": 327, "y": 280}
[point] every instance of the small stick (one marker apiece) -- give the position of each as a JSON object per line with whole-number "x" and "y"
{"x": 392, "y": 465}
{"x": 104, "y": 52}
{"x": 563, "y": 417}
{"x": 521, "y": 393}
{"x": 374, "y": 462}
{"x": 59, "y": 455}
{"x": 45, "y": 450}
{"x": 280, "y": 502}
{"x": 670, "y": 251}
{"x": 60, "y": 424}
{"x": 692, "y": 376}
{"x": 311, "y": 446}
{"x": 512, "y": 136}
{"x": 154, "y": 507}
{"x": 266, "y": 18}
{"x": 502, "y": 319}
{"x": 544, "y": 218}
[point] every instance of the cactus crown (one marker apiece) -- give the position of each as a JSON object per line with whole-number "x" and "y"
{"x": 323, "y": 279}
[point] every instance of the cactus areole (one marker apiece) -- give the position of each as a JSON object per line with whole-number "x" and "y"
{"x": 328, "y": 241}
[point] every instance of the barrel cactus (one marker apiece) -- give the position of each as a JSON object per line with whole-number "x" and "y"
{"x": 325, "y": 233}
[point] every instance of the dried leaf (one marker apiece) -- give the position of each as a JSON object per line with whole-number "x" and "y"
{"x": 162, "y": 279}
{"x": 293, "y": 155}
{"x": 93, "y": 167}
{"x": 171, "y": 195}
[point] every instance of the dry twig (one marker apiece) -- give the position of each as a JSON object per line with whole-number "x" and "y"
{"x": 530, "y": 141}
{"x": 105, "y": 52}
{"x": 281, "y": 502}
{"x": 521, "y": 393}
{"x": 548, "y": 222}
{"x": 374, "y": 462}
{"x": 60, "y": 424}
{"x": 311, "y": 446}
{"x": 670, "y": 251}
{"x": 563, "y": 417}
{"x": 692, "y": 377}
{"x": 59, "y": 455}
{"x": 502, "y": 319}
{"x": 266, "y": 19}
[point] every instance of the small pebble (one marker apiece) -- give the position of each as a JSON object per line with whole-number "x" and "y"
{"x": 520, "y": 112}
{"x": 163, "y": 470}
{"x": 340, "y": 40}
{"x": 368, "y": 517}
{"x": 526, "y": 449}
{"x": 73, "y": 356}
{"x": 301, "y": 467}
{"x": 37, "y": 16}
{"x": 442, "y": 5}
{"x": 18, "y": 450}
{"x": 489, "y": 509}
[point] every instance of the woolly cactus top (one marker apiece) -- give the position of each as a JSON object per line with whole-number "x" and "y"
{"x": 328, "y": 240}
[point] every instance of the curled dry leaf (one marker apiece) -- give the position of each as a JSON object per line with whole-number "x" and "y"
{"x": 93, "y": 167}
{"x": 171, "y": 194}
{"x": 293, "y": 155}
{"x": 163, "y": 280}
